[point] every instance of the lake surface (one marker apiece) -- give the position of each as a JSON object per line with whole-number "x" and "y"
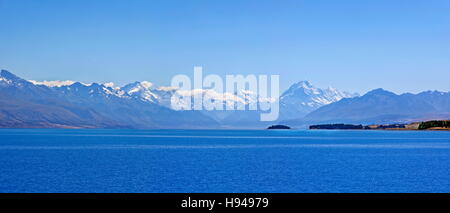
{"x": 35, "y": 160}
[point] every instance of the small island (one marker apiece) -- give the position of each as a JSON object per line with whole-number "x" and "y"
{"x": 278, "y": 127}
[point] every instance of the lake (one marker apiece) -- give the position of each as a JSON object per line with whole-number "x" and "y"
{"x": 49, "y": 160}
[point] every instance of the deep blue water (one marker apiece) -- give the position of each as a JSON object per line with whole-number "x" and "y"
{"x": 34, "y": 160}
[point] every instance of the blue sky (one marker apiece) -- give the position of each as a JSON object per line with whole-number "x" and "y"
{"x": 401, "y": 45}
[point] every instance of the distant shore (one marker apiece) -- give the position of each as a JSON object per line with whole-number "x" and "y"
{"x": 434, "y": 125}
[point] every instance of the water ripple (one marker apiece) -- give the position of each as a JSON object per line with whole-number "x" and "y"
{"x": 234, "y": 146}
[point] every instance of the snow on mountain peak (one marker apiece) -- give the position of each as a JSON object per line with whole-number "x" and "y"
{"x": 52, "y": 83}
{"x": 138, "y": 87}
{"x": 332, "y": 89}
{"x": 303, "y": 97}
{"x": 146, "y": 84}
{"x": 142, "y": 90}
{"x": 5, "y": 80}
{"x": 302, "y": 84}
{"x": 109, "y": 84}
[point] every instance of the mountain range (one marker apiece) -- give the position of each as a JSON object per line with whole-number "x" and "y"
{"x": 381, "y": 107}
{"x": 24, "y": 104}
{"x": 69, "y": 104}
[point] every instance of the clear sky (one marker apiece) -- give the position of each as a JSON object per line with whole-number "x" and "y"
{"x": 353, "y": 45}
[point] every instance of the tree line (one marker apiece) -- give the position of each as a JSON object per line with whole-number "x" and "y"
{"x": 431, "y": 124}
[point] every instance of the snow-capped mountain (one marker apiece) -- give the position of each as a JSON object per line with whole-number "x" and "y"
{"x": 52, "y": 83}
{"x": 30, "y": 104}
{"x": 24, "y": 104}
{"x": 302, "y": 98}
{"x": 69, "y": 104}
{"x": 382, "y": 107}
{"x": 147, "y": 91}
{"x": 142, "y": 90}
{"x": 145, "y": 105}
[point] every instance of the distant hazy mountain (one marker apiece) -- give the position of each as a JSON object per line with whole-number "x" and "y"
{"x": 380, "y": 106}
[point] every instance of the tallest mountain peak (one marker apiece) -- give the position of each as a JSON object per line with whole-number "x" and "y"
{"x": 303, "y": 97}
{"x": 304, "y": 84}
{"x": 300, "y": 85}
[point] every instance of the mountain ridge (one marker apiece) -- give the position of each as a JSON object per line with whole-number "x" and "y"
{"x": 26, "y": 105}
{"x": 141, "y": 104}
{"x": 380, "y": 106}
